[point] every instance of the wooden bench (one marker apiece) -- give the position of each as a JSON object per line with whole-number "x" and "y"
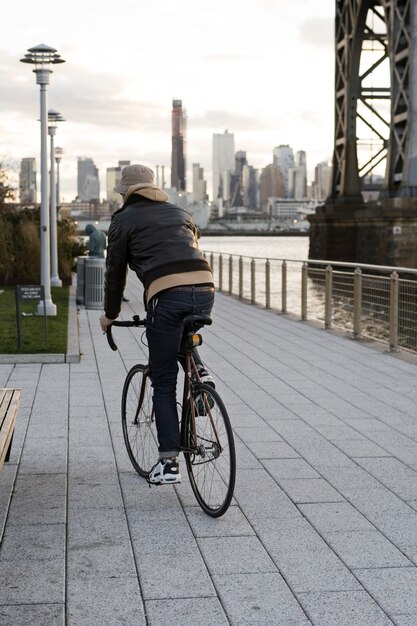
{"x": 9, "y": 404}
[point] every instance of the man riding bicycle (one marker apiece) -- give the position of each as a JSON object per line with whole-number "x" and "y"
{"x": 158, "y": 240}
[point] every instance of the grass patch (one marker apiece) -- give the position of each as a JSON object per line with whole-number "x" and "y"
{"x": 33, "y": 327}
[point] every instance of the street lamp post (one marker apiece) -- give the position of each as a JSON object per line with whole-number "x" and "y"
{"x": 53, "y": 118}
{"x": 58, "y": 156}
{"x": 42, "y": 57}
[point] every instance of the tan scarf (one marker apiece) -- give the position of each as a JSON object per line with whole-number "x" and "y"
{"x": 147, "y": 190}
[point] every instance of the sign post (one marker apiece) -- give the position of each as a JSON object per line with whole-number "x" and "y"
{"x": 29, "y": 292}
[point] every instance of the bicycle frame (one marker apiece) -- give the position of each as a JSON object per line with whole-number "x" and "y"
{"x": 187, "y": 404}
{"x": 191, "y": 377}
{"x": 140, "y": 401}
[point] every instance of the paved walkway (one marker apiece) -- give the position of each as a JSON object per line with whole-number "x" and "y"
{"x": 323, "y": 529}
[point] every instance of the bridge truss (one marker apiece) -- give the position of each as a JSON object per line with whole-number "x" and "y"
{"x": 375, "y": 99}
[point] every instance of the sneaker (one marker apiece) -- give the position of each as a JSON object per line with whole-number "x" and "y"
{"x": 206, "y": 378}
{"x": 165, "y": 472}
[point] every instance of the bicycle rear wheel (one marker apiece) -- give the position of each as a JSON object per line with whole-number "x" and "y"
{"x": 211, "y": 464}
{"x": 138, "y": 420}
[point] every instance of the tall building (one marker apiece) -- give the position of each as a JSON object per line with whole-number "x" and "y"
{"x": 250, "y": 187}
{"x": 178, "y": 166}
{"x": 283, "y": 156}
{"x": 236, "y": 180}
{"x": 322, "y": 181}
{"x": 297, "y": 177}
{"x": 223, "y": 164}
{"x": 113, "y": 177}
{"x": 88, "y": 184}
{"x": 271, "y": 185}
{"x": 199, "y": 184}
{"x": 27, "y": 181}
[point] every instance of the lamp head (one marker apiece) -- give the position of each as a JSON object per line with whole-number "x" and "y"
{"x": 42, "y": 57}
{"x": 54, "y": 117}
{"x": 58, "y": 154}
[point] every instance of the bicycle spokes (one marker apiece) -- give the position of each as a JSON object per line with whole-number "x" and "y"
{"x": 211, "y": 455}
{"x": 138, "y": 422}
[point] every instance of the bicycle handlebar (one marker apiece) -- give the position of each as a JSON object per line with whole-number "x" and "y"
{"x": 136, "y": 321}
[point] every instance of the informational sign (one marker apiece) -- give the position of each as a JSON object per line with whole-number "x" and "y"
{"x": 29, "y": 293}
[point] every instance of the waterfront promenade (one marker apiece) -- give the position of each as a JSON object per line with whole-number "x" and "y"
{"x": 323, "y": 527}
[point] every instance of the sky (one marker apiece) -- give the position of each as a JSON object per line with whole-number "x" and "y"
{"x": 262, "y": 69}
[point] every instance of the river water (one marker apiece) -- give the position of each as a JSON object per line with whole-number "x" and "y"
{"x": 265, "y": 247}
{"x": 294, "y": 250}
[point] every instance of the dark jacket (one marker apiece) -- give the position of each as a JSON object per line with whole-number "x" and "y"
{"x": 155, "y": 239}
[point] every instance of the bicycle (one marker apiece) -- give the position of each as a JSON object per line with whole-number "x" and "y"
{"x": 206, "y": 437}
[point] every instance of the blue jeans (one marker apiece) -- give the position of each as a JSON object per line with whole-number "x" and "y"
{"x": 164, "y": 330}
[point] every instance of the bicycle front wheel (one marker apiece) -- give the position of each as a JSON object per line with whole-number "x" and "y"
{"x": 210, "y": 454}
{"x": 138, "y": 420}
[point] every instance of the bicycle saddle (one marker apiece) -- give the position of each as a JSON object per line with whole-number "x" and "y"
{"x": 198, "y": 320}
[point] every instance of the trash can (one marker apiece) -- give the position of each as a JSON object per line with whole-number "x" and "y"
{"x": 80, "y": 279}
{"x": 94, "y": 282}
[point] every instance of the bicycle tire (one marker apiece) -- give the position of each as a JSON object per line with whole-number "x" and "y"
{"x": 138, "y": 420}
{"x": 212, "y": 468}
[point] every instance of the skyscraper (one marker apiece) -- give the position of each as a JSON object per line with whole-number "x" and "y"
{"x": 236, "y": 180}
{"x": 27, "y": 181}
{"x": 322, "y": 180}
{"x": 199, "y": 184}
{"x": 113, "y": 177}
{"x": 271, "y": 184}
{"x": 88, "y": 184}
{"x": 223, "y": 164}
{"x": 178, "y": 181}
{"x": 284, "y": 158}
{"x": 297, "y": 177}
{"x": 249, "y": 187}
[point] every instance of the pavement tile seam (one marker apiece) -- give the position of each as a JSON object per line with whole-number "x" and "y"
{"x": 286, "y": 440}
{"x": 285, "y": 576}
{"x": 301, "y": 332}
{"x": 341, "y": 379}
{"x": 119, "y": 484}
{"x": 323, "y": 610}
{"x": 326, "y": 540}
{"x": 331, "y": 442}
{"x": 278, "y": 603}
{"x": 213, "y": 576}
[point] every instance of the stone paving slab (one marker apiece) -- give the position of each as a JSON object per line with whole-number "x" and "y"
{"x": 323, "y": 526}
{"x": 259, "y": 599}
{"x": 183, "y": 611}
{"x": 344, "y": 608}
{"x": 108, "y": 600}
{"x": 25, "y": 614}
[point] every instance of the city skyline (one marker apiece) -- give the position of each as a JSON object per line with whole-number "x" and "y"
{"x": 265, "y": 72}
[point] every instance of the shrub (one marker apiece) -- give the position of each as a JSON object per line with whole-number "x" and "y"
{"x": 20, "y": 247}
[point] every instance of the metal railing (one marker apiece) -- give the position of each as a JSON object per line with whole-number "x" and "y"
{"x": 369, "y": 301}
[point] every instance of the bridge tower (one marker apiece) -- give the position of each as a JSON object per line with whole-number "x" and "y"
{"x": 369, "y": 218}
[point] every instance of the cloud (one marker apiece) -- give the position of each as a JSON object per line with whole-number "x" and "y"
{"x": 318, "y": 32}
{"x": 81, "y": 95}
{"x": 219, "y": 119}
{"x": 226, "y": 56}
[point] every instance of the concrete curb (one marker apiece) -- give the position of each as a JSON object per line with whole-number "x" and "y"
{"x": 73, "y": 342}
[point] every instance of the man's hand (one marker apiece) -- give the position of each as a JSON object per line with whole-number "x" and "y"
{"x": 104, "y": 322}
